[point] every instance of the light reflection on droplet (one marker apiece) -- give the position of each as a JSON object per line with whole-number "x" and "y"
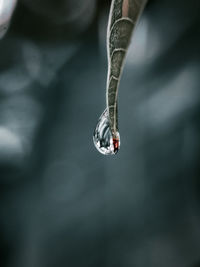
{"x": 103, "y": 139}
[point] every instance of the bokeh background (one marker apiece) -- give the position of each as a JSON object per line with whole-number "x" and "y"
{"x": 61, "y": 202}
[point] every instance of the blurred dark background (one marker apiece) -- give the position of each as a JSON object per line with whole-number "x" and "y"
{"x": 61, "y": 202}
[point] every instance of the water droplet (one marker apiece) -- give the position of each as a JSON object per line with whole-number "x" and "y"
{"x": 104, "y": 141}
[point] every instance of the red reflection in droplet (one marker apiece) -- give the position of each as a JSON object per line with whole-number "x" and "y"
{"x": 116, "y": 145}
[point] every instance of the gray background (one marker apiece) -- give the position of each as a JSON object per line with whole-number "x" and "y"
{"x": 61, "y": 202}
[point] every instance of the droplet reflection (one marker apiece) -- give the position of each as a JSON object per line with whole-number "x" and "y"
{"x": 103, "y": 138}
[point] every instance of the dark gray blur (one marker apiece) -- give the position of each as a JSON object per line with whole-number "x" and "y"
{"x": 61, "y": 202}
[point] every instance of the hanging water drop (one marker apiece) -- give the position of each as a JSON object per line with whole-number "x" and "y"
{"x": 123, "y": 17}
{"x": 105, "y": 142}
